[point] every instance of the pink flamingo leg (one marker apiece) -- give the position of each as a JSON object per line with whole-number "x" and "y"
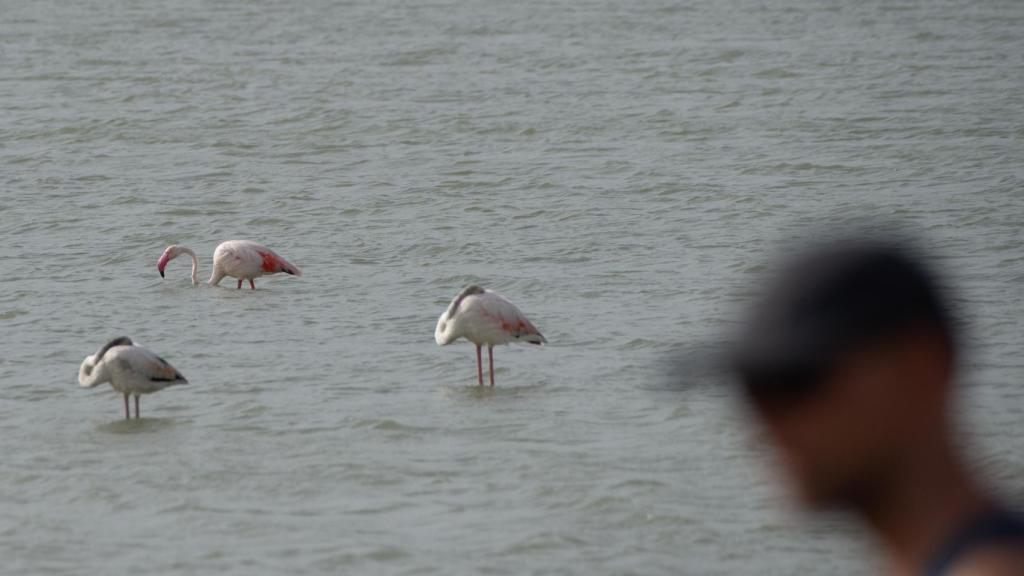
{"x": 239, "y": 283}
{"x": 137, "y": 415}
{"x": 490, "y": 356}
{"x": 252, "y": 285}
{"x": 479, "y": 367}
{"x": 127, "y": 414}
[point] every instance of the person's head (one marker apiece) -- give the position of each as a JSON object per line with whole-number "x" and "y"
{"x": 847, "y": 361}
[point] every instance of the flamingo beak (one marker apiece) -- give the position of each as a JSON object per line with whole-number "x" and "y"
{"x": 161, "y": 264}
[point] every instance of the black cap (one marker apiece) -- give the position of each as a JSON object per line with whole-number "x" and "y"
{"x": 830, "y": 300}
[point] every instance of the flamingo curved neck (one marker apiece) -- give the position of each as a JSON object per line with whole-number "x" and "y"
{"x": 91, "y": 373}
{"x": 445, "y": 333}
{"x": 215, "y": 275}
{"x": 195, "y": 265}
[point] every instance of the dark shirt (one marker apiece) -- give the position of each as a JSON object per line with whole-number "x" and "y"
{"x": 994, "y": 527}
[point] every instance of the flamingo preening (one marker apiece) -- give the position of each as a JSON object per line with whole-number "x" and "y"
{"x": 130, "y": 369}
{"x": 484, "y": 318}
{"x": 240, "y": 259}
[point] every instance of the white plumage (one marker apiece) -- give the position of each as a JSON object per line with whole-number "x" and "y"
{"x": 130, "y": 369}
{"x": 484, "y": 318}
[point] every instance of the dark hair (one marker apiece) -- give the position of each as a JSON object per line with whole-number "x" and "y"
{"x": 832, "y": 299}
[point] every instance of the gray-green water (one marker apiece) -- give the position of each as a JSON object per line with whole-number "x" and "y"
{"x": 618, "y": 169}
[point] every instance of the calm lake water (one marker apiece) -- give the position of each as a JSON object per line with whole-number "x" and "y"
{"x": 620, "y": 170}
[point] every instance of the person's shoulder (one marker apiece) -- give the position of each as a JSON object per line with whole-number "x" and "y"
{"x": 997, "y": 559}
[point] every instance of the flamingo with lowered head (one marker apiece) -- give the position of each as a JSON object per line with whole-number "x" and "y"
{"x": 130, "y": 369}
{"x": 240, "y": 259}
{"x": 484, "y": 318}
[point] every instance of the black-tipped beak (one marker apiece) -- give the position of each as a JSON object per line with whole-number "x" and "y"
{"x": 161, "y": 273}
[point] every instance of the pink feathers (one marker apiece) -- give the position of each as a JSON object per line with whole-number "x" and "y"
{"x": 272, "y": 263}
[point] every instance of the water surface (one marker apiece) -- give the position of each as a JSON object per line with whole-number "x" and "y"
{"x": 620, "y": 170}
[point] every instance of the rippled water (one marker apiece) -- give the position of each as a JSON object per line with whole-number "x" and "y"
{"x": 618, "y": 169}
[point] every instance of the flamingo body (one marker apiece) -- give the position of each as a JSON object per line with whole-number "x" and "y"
{"x": 130, "y": 369}
{"x": 485, "y": 318}
{"x": 246, "y": 260}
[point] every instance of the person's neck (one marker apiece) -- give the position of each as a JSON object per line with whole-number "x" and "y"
{"x": 921, "y": 505}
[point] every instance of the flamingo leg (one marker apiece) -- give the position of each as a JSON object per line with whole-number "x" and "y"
{"x": 127, "y": 414}
{"x": 252, "y": 285}
{"x": 137, "y": 415}
{"x": 479, "y": 367}
{"x": 239, "y": 283}
{"x": 490, "y": 356}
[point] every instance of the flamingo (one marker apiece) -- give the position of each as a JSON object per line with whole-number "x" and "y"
{"x": 130, "y": 369}
{"x": 240, "y": 259}
{"x": 484, "y": 317}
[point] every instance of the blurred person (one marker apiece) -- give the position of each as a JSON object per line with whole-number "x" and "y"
{"x": 848, "y": 361}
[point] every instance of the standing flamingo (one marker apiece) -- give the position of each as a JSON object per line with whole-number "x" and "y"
{"x": 130, "y": 369}
{"x": 240, "y": 259}
{"x": 484, "y": 317}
